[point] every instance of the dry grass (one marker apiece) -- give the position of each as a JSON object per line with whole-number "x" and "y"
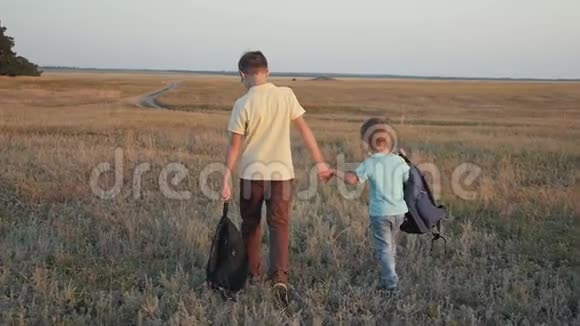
{"x": 70, "y": 258}
{"x": 406, "y": 101}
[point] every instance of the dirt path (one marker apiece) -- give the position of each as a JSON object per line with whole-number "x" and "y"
{"x": 149, "y": 100}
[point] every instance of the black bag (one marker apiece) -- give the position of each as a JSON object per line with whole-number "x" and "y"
{"x": 424, "y": 214}
{"x": 227, "y": 266}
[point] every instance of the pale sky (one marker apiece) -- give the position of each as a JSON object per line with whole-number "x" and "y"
{"x": 467, "y": 38}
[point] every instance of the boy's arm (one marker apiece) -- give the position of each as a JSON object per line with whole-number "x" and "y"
{"x": 348, "y": 177}
{"x": 324, "y": 172}
{"x": 232, "y": 153}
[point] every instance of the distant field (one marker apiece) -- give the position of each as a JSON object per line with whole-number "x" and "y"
{"x": 69, "y": 257}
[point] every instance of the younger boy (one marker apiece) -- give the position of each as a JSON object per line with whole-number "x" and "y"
{"x": 386, "y": 173}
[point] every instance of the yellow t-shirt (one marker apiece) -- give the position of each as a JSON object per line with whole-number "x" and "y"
{"x": 264, "y": 116}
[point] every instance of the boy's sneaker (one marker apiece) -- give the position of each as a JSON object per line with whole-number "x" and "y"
{"x": 280, "y": 292}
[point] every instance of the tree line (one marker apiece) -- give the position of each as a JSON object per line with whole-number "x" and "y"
{"x": 12, "y": 64}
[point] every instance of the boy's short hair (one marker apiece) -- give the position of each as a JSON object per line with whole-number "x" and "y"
{"x": 252, "y": 61}
{"x": 376, "y": 134}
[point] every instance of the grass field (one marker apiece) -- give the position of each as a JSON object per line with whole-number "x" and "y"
{"x": 69, "y": 257}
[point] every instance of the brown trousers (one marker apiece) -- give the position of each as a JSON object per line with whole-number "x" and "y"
{"x": 277, "y": 195}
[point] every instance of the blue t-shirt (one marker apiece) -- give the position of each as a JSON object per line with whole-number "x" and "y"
{"x": 386, "y": 174}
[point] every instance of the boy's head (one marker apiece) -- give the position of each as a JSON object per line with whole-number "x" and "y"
{"x": 253, "y": 68}
{"x": 377, "y": 135}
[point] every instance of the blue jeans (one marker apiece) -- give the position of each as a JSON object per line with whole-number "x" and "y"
{"x": 384, "y": 231}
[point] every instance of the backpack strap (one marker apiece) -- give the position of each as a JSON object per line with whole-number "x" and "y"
{"x": 437, "y": 235}
{"x": 404, "y": 158}
{"x": 225, "y": 211}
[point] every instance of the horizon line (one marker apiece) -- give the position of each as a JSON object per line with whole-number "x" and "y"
{"x": 314, "y": 74}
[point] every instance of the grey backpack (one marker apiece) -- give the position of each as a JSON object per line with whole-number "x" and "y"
{"x": 424, "y": 215}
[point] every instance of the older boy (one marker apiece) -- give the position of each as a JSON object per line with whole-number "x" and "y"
{"x": 261, "y": 120}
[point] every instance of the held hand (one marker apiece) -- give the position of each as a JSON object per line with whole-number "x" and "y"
{"x": 329, "y": 176}
{"x": 324, "y": 172}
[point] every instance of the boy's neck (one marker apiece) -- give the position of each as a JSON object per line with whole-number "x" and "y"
{"x": 261, "y": 82}
{"x": 256, "y": 82}
{"x": 383, "y": 152}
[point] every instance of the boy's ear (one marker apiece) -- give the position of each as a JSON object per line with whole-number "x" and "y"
{"x": 242, "y": 76}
